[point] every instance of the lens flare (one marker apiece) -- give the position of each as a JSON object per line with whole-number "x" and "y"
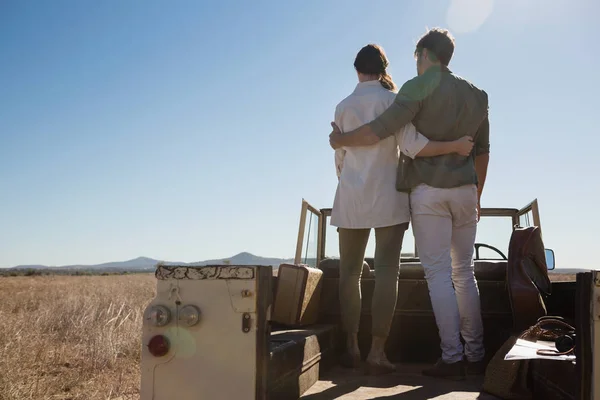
{"x": 466, "y": 16}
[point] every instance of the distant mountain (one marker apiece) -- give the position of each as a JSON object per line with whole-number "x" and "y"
{"x": 145, "y": 263}
{"x": 30, "y": 267}
{"x": 246, "y": 259}
{"x": 148, "y": 264}
{"x": 136, "y": 263}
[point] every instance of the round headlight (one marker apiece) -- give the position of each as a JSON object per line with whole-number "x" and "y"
{"x": 189, "y": 315}
{"x": 159, "y": 316}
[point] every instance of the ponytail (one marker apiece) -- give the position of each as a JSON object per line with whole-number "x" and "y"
{"x": 386, "y": 81}
{"x": 372, "y": 61}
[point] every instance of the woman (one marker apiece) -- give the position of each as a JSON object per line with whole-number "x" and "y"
{"x": 366, "y": 198}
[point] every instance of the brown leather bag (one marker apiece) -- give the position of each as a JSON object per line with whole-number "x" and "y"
{"x": 509, "y": 379}
{"x": 527, "y": 277}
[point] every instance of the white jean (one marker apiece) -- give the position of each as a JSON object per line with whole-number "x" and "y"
{"x": 445, "y": 224}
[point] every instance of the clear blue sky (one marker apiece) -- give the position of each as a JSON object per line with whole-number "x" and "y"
{"x": 191, "y": 130}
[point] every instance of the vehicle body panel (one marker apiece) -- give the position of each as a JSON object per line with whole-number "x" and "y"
{"x": 216, "y": 358}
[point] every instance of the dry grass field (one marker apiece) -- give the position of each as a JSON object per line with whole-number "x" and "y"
{"x": 559, "y": 277}
{"x": 75, "y": 337}
{"x": 72, "y": 337}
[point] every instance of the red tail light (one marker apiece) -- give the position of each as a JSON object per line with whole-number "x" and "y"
{"x": 158, "y": 346}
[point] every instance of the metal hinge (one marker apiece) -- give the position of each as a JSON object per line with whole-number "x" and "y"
{"x": 246, "y": 322}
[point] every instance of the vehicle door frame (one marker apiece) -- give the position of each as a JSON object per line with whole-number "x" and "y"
{"x": 305, "y": 210}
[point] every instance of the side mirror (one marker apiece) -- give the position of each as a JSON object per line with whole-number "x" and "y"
{"x": 550, "y": 263}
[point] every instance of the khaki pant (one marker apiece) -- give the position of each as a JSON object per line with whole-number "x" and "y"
{"x": 445, "y": 224}
{"x": 388, "y": 244}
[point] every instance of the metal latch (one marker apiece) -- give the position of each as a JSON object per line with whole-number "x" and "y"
{"x": 246, "y": 320}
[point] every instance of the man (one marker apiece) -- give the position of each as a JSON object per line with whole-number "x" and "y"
{"x": 445, "y": 193}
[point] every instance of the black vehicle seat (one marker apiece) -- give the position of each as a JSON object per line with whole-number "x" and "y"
{"x": 331, "y": 268}
{"x": 485, "y": 270}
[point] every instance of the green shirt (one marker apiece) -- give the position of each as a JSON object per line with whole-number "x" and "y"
{"x": 443, "y": 107}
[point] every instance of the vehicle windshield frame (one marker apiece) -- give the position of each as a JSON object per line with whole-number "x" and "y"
{"x": 529, "y": 215}
{"x": 513, "y": 213}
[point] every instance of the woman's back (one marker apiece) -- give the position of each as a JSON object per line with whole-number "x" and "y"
{"x": 368, "y": 101}
{"x": 366, "y": 196}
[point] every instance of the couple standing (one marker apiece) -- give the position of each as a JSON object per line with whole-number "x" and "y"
{"x": 419, "y": 154}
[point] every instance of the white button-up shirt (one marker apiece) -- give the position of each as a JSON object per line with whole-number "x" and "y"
{"x": 366, "y": 196}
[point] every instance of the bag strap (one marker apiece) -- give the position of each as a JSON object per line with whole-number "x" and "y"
{"x": 555, "y": 352}
{"x": 540, "y": 330}
{"x": 555, "y": 321}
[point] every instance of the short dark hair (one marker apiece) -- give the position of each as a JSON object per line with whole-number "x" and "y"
{"x": 438, "y": 42}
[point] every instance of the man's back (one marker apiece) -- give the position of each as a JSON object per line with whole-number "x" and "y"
{"x": 446, "y": 107}
{"x": 454, "y": 108}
